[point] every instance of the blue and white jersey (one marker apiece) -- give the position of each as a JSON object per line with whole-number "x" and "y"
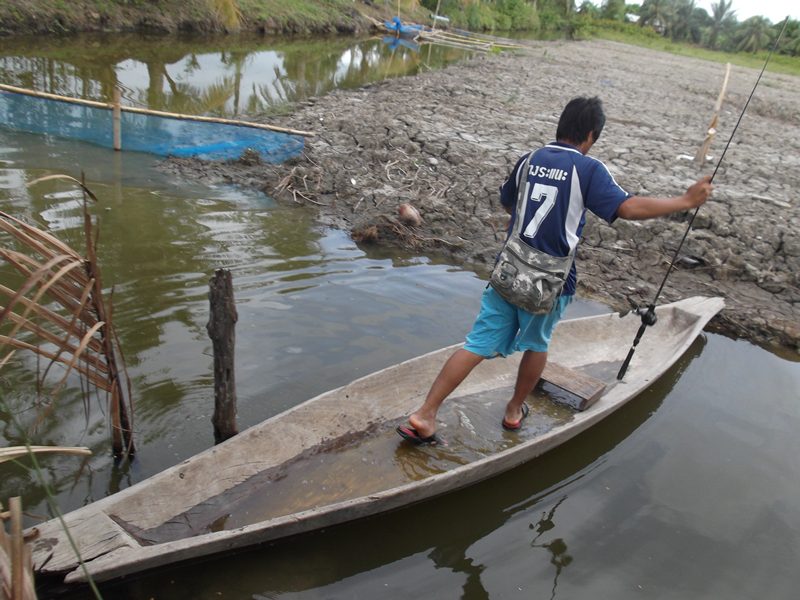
{"x": 561, "y": 184}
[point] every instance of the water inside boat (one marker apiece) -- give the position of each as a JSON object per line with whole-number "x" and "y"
{"x": 362, "y": 463}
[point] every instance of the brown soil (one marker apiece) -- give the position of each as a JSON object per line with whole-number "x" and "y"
{"x": 444, "y": 142}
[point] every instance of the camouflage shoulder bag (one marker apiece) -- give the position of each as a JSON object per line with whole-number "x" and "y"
{"x": 526, "y": 277}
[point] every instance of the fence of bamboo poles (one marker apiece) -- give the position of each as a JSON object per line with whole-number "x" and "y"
{"x": 468, "y": 42}
{"x": 117, "y": 108}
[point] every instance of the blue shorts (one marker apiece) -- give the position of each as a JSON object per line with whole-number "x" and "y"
{"x": 501, "y": 328}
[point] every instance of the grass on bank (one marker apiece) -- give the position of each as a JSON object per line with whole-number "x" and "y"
{"x": 322, "y": 15}
{"x": 628, "y": 33}
{"x": 302, "y": 13}
{"x": 283, "y": 16}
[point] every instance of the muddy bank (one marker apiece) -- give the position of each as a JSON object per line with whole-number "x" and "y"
{"x": 172, "y": 16}
{"x": 444, "y": 141}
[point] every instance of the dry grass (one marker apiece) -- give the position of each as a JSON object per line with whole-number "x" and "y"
{"x": 59, "y": 313}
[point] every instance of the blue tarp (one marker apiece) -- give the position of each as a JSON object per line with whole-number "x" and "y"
{"x": 406, "y": 29}
{"x": 163, "y": 136}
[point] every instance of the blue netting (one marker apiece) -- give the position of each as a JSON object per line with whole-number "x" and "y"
{"x": 163, "y": 136}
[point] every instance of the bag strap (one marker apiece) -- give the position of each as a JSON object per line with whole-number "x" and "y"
{"x": 522, "y": 196}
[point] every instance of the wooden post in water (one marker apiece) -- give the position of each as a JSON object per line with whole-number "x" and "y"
{"x": 221, "y": 329}
{"x": 117, "y": 116}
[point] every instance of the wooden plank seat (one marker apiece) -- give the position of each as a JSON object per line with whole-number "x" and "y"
{"x": 582, "y": 390}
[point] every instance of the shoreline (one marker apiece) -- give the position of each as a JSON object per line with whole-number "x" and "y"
{"x": 267, "y": 17}
{"x": 445, "y": 140}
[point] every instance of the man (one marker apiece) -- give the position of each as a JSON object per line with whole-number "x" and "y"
{"x": 553, "y": 221}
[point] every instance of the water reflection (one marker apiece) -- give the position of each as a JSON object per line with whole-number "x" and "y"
{"x": 557, "y": 547}
{"x": 310, "y": 302}
{"x": 230, "y": 76}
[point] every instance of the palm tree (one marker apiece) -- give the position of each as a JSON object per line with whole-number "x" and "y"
{"x": 755, "y": 34}
{"x": 790, "y": 44}
{"x": 721, "y": 16}
{"x": 613, "y": 10}
{"x": 589, "y": 8}
{"x": 657, "y": 14}
{"x": 682, "y": 20}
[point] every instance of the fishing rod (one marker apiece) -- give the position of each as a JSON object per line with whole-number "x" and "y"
{"x": 649, "y": 315}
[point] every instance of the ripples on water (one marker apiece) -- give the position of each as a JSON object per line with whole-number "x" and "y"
{"x": 315, "y": 310}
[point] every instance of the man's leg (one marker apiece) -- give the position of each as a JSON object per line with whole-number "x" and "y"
{"x": 534, "y": 339}
{"x": 530, "y": 370}
{"x": 493, "y": 332}
{"x": 454, "y": 371}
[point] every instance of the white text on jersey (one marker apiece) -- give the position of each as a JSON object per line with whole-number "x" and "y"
{"x": 540, "y": 171}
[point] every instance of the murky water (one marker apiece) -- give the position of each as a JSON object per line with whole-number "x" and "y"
{"x": 207, "y": 75}
{"x": 690, "y": 491}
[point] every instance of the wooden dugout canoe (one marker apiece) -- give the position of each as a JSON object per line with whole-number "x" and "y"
{"x": 336, "y": 457}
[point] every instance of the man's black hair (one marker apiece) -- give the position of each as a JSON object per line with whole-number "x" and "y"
{"x": 580, "y": 117}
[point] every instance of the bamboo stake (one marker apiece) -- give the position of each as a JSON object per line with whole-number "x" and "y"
{"x": 117, "y": 119}
{"x": 17, "y": 573}
{"x": 461, "y": 45}
{"x": 461, "y": 41}
{"x": 438, "y": 5}
{"x": 700, "y": 157}
{"x": 476, "y": 38}
{"x": 155, "y": 113}
{"x": 5, "y": 557}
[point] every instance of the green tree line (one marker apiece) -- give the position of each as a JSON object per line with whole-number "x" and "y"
{"x": 677, "y": 20}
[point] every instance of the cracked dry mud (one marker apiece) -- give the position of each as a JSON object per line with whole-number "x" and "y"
{"x": 445, "y": 140}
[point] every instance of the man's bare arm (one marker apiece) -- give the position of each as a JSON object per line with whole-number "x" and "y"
{"x": 637, "y": 208}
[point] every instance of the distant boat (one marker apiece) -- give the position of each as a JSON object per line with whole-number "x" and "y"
{"x": 407, "y": 30}
{"x": 336, "y": 458}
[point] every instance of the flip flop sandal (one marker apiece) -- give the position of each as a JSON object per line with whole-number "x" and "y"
{"x": 412, "y": 435}
{"x": 509, "y": 426}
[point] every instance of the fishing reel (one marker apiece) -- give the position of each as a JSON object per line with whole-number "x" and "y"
{"x": 647, "y": 313}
